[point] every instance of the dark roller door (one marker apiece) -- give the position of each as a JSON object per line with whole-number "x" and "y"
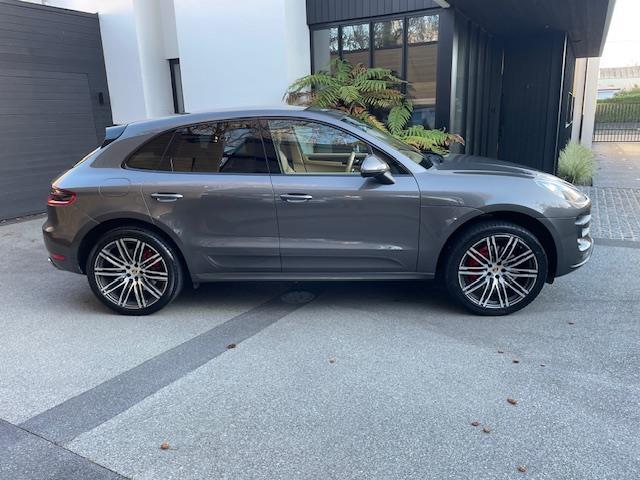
{"x": 46, "y": 125}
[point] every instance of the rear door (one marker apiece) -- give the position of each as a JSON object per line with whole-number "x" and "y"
{"x": 209, "y": 183}
{"x": 330, "y": 218}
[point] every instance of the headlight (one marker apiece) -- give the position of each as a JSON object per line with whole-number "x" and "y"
{"x": 564, "y": 190}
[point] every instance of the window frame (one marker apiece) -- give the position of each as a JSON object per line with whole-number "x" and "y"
{"x": 388, "y": 157}
{"x": 257, "y": 123}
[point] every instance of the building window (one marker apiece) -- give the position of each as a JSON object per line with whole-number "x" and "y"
{"x": 388, "y": 41}
{"x": 406, "y": 45}
{"x": 325, "y": 43}
{"x": 176, "y": 85}
{"x": 355, "y": 44}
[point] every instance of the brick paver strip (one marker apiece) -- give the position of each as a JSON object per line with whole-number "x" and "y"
{"x": 615, "y": 212}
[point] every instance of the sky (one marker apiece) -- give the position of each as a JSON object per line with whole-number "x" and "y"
{"x": 622, "y": 47}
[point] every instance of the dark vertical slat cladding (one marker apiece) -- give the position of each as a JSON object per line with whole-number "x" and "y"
{"x": 471, "y": 88}
{"x": 444, "y": 69}
{"x": 532, "y": 82}
{"x": 479, "y": 95}
{"x": 54, "y": 100}
{"x": 325, "y": 11}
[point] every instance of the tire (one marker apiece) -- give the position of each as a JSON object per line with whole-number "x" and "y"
{"x": 134, "y": 271}
{"x": 495, "y": 281}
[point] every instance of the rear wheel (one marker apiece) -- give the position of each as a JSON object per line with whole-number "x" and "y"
{"x": 496, "y": 268}
{"x": 133, "y": 271}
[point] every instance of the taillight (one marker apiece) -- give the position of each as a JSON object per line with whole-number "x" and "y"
{"x": 60, "y": 198}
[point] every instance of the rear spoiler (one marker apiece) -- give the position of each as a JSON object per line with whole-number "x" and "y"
{"x": 112, "y": 133}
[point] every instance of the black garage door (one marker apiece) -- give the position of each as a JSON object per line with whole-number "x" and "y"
{"x": 53, "y": 99}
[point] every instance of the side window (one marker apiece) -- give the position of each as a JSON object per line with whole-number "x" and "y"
{"x": 150, "y": 155}
{"x": 221, "y": 147}
{"x": 217, "y": 147}
{"x": 304, "y": 147}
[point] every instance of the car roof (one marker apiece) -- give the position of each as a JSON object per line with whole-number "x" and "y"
{"x": 173, "y": 121}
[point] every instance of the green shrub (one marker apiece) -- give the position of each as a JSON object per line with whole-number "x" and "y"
{"x": 576, "y": 164}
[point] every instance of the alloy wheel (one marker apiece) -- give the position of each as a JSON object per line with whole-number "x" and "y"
{"x": 131, "y": 273}
{"x": 498, "y": 271}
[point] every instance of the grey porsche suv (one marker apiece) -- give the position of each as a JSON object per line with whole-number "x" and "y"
{"x": 304, "y": 194}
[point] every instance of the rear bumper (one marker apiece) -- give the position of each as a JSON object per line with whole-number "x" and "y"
{"x": 60, "y": 233}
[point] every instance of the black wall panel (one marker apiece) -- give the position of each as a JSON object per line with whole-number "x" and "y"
{"x": 54, "y": 100}
{"x": 327, "y": 11}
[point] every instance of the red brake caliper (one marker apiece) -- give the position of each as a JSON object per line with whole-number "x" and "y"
{"x": 472, "y": 262}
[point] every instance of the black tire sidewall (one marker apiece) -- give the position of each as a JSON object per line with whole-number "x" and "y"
{"x": 473, "y": 235}
{"x": 170, "y": 258}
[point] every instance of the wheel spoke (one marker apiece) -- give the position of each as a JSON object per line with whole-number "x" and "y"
{"x": 114, "y": 285}
{"x": 126, "y": 291}
{"x": 493, "y": 255}
{"x": 161, "y": 276}
{"x": 523, "y": 257}
{"x": 511, "y": 245}
{"x": 122, "y": 249}
{"x": 112, "y": 259}
{"x": 135, "y": 255}
{"x": 137, "y": 291}
{"x": 478, "y": 257}
{"x": 150, "y": 288}
{"x": 515, "y": 286}
{"x": 484, "y": 298}
{"x": 504, "y": 292}
{"x": 499, "y": 292}
{"x": 153, "y": 259}
{"x": 473, "y": 286}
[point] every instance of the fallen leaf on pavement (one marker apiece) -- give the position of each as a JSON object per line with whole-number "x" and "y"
{"x": 332, "y": 360}
{"x": 512, "y": 401}
{"x": 475, "y": 424}
{"x": 500, "y": 351}
{"x": 486, "y": 430}
{"x": 522, "y": 468}
{"x": 571, "y": 323}
{"x": 542, "y": 365}
{"x": 164, "y": 446}
{"x": 230, "y": 346}
{"x": 515, "y": 360}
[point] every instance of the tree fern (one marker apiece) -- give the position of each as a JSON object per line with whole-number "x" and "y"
{"x": 356, "y": 89}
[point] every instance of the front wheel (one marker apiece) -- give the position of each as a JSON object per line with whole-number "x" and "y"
{"x": 134, "y": 271}
{"x": 496, "y": 268}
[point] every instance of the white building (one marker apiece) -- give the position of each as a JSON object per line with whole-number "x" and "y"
{"x": 217, "y": 54}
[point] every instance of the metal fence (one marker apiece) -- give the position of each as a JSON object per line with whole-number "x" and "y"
{"x": 617, "y": 122}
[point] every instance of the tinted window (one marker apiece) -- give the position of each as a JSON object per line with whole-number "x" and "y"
{"x": 308, "y": 147}
{"x": 220, "y": 147}
{"x": 149, "y": 157}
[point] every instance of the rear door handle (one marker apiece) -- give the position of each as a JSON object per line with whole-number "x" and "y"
{"x": 166, "y": 197}
{"x": 295, "y": 197}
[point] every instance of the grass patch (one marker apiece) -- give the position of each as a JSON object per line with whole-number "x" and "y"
{"x": 576, "y": 164}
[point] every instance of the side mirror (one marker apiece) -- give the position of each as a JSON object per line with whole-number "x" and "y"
{"x": 373, "y": 166}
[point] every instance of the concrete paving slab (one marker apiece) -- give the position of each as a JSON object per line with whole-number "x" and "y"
{"x": 410, "y": 374}
{"x": 59, "y": 341}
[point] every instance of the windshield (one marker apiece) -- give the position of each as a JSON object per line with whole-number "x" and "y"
{"x": 413, "y": 153}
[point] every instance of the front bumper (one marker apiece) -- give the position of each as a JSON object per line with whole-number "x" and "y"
{"x": 573, "y": 241}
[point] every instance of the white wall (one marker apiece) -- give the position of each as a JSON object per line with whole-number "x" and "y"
{"x": 586, "y": 95}
{"x": 240, "y": 53}
{"x": 233, "y": 53}
{"x": 156, "y": 80}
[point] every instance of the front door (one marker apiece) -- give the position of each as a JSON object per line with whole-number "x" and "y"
{"x": 211, "y": 187}
{"x": 330, "y": 218}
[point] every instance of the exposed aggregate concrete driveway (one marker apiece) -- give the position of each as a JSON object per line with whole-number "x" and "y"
{"x": 366, "y": 380}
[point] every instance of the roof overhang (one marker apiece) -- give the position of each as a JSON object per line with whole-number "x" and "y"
{"x": 585, "y": 21}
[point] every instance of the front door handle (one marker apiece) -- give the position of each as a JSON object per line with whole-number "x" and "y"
{"x": 295, "y": 197}
{"x": 166, "y": 197}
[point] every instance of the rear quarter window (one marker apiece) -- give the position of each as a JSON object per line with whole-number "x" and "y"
{"x": 150, "y": 156}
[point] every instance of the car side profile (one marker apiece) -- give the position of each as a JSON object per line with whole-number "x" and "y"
{"x": 306, "y": 194}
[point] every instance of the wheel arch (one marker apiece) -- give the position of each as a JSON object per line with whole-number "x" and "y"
{"x": 531, "y": 223}
{"x": 92, "y": 236}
